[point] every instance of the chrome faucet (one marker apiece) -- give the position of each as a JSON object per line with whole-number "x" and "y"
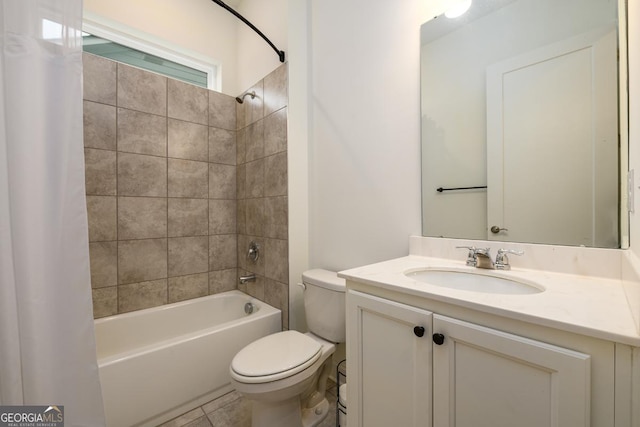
{"x": 502, "y": 261}
{"x": 247, "y": 278}
{"x": 481, "y": 258}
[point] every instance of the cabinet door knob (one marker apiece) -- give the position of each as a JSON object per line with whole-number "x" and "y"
{"x": 419, "y": 331}
{"x": 438, "y": 339}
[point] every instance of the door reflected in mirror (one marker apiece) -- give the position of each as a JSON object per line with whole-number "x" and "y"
{"x": 524, "y": 129}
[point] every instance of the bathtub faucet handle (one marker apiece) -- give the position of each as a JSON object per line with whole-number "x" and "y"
{"x": 254, "y": 252}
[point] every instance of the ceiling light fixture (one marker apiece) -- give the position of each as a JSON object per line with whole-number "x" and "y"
{"x": 458, "y": 10}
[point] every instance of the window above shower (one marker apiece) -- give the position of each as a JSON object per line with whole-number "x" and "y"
{"x": 113, "y": 40}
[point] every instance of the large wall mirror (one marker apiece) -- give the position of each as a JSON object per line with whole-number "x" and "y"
{"x": 524, "y": 123}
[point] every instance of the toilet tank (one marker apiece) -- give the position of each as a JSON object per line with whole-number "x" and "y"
{"x": 324, "y": 298}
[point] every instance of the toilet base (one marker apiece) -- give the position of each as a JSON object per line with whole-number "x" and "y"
{"x": 312, "y": 417}
{"x": 285, "y": 413}
{"x": 288, "y": 414}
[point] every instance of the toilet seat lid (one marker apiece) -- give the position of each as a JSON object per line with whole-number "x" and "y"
{"x": 277, "y": 356}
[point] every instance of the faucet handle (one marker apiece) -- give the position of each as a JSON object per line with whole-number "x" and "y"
{"x": 472, "y": 258}
{"x": 502, "y": 261}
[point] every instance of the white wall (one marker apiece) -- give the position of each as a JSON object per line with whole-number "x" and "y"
{"x": 364, "y": 146}
{"x": 256, "y": 58}
{"x": 634, "y": 118}
{"x": 198, "y": 26}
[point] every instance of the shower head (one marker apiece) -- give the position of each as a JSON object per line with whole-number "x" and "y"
{"x": 240, "y": 99}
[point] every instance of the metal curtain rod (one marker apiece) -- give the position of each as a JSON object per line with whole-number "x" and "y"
{"x": 253, "y": 27}
{"x": 440, "y": 189}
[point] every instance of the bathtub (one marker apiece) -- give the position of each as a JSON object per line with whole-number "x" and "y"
{"x": 158, "y": 363}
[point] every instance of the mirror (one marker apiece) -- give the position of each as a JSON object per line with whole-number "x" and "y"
{"x": 524, "y": 123}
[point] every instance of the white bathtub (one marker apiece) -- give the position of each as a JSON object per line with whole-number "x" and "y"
{"x": 158, "y": 363}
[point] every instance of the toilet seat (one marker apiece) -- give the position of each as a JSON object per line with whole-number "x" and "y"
{"x": 275, "y": 357}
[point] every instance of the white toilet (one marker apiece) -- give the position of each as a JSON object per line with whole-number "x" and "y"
{"x": 284, "y": 375}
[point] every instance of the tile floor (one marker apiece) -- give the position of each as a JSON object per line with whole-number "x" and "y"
{"x": 233, "y": 410}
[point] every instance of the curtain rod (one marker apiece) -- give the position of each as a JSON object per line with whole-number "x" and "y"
{"x": 253, "y": 27}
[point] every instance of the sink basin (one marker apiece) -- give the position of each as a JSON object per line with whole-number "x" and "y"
{"x": 473, "y": 281}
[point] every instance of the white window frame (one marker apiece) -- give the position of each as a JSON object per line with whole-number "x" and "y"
{"x": 127, "y": 36}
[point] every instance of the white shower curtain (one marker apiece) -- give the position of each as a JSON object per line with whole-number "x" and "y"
{"x": 47, "y": 343}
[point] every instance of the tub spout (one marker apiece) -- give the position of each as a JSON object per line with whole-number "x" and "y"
{"x": 247, "y": 278}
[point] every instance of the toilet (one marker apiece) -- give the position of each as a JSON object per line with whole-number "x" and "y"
{"x": 284, "y": 375}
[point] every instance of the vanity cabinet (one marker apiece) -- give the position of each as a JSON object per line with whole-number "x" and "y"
{"x": 464, "y": 374}
{"x": 484, "y": 377}
{"x": 390, "y": 381}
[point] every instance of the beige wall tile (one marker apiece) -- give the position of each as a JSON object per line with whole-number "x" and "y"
{"x": 275, "y": 132}
{"x": 255, "y": 218}
{"x": 101, "y": 212}
{"x": 140, "y": 175}
{"x": 276, "y": 217}
{"x": 141, "y": 90}
{"x": 275, "y": 90}
{"x": 276, "y": 294}
{"x": 188, "y": 178}
{"x": 255, "y": 141}
{"x": 142, "y": 133}
{"x": 188, "y": 255}
{"x": 99, "y": 79}
{"x": 251, "y": 110}
{"x": 187, "y": 287}
{"x": 103, "y": 258}
{"x": 136, "y": 296}
{"x": 142, "y": 260}
{"x": 142, "y": 217}
{"x": 100, "y": 172}
{"x": 105, "y": 301}
{"x": 241, "y": 146}
{"x": 190, "y": 222}
{"x": 254, "y": 176}
{"x": 223, "y": 280}
{"x": 241, "y": 218}
{"x": 222, "y": 111}
{"x": 222, "y": 146}
{"x": 99, "y": 121}
{"x": 276, "y": 255}
{"x": 223, "y": 252}
{"x": 243, "y": 247}
{"x": 188, "y": 140}
{"x": 188, "y": 217}
{"x": 222, "y": 181}
{"x": 241, "y": 181}
{"x": 222, "y": 216}
{"x": 187, "y": 102}
{"x": 275, "y": 176}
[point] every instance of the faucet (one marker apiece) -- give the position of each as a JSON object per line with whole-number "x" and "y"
{"x": 247, "y": 278}
{"x": 481, "y": 258}
{"x": 478, "y": 257}
{"x": 502, "y": 261}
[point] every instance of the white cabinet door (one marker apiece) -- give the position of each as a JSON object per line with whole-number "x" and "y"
{"x": 388, "y": 363}
{"x": 486, "y": 378}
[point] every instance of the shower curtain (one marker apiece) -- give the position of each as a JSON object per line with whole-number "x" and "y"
{"x": 47, "y": 343}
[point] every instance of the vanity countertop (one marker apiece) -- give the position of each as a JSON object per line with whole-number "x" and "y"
{"x": 592, "y": 306}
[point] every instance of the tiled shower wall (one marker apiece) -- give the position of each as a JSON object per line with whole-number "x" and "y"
{"x": 164, "y": 164}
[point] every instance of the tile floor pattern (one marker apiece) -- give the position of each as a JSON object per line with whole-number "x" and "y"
{"x": 233, "y": 410}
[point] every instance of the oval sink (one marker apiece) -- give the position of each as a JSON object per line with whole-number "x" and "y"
{"x": 473, "y": 281}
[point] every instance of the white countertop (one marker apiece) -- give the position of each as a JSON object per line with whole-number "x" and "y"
{"x": 592, "y": 306}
